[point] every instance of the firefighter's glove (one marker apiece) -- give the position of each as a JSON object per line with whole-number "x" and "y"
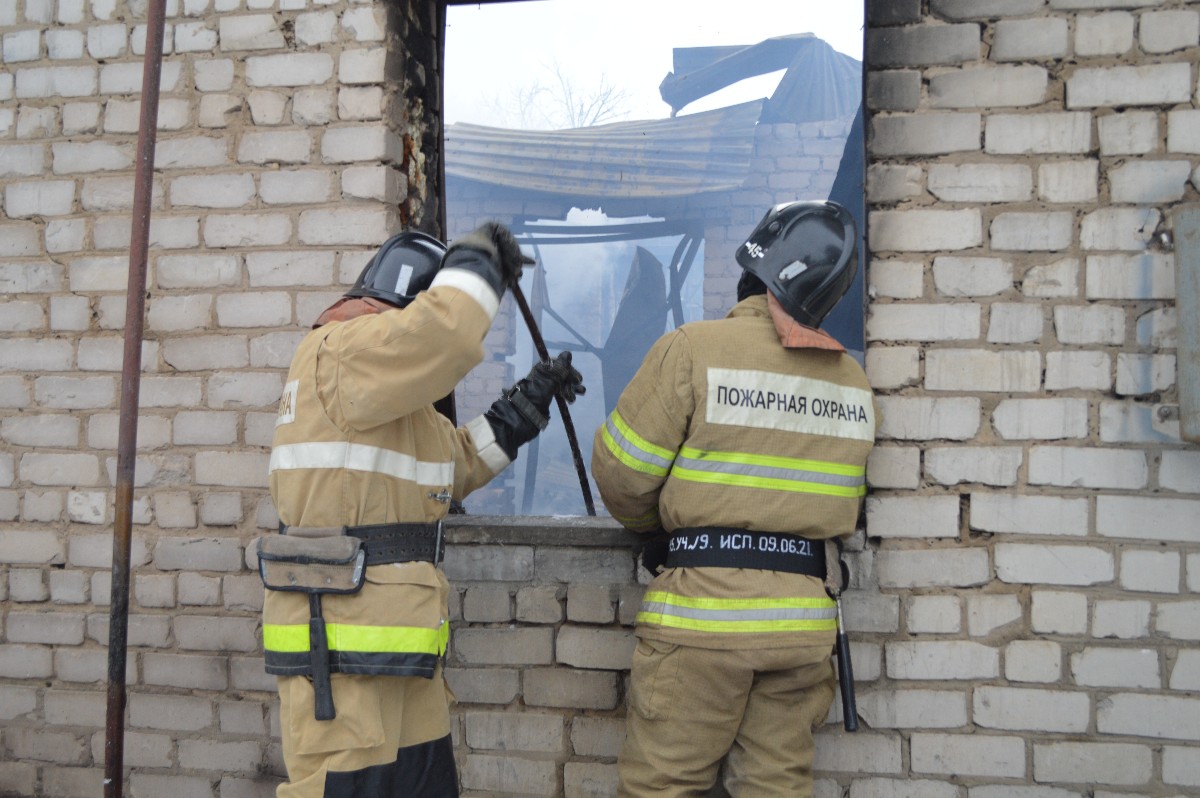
{"x": 498, "y": 242}
{"x": 523, "y": 410}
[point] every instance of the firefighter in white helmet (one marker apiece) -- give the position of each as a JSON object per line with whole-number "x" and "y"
{"x": 745, "y": 441}
{"x": 362, "y": 471}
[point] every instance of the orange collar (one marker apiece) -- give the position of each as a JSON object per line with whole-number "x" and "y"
{"x": 794, "y": 335}
{"x": 351, "y": 307}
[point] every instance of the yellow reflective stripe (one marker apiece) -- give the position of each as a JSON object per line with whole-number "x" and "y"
{"x": 776, "y": 461}
{"x": 293, "y": 638}
{"x": 638, "y": 440}
{"x": 628, "y": 459}
{"x": 646, "y": 519}
{"x": 744, "y": 481}
{"x": 738, "y": 615}
{"x": 737, "y": 627}
{"x": 709, "y": 603}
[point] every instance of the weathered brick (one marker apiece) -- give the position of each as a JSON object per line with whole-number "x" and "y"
{"x": 913, "y": 516}
{"x": 1125, "y": 620}
{"x": 922, "y": 45}
{"x": 982, "y": 370}
{"x": 1041, "y": 133}
{"x": 1116, "y": 667}
{"x": 569, "y": 687}
{"x": 1029, "y": 515}
{"x": 1092, "y": 763}
{"x": 1040, "y": 710}
{"x": 968, "y": 754}
{"x": 913, "y": 709}
{"x": 921, "y": 418}
{"x": 920, "y": 322}
{"x": 938, "y": 660}
{"x": 933, "y": 614}
{"x": 1058, "y": 612}
{"x": 1022, "y": 563}
{"x": 1033, "y": 661}
{"x": 507, "y": 774}
{"x": 933, "y": 568}
{"x": 1146, "y": 517}
{"x": 598, "y": 649}
{"x": 509, "y": 731}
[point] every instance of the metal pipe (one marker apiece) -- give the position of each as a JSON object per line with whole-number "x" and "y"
{"x": 139, "y": 244}
{"x": 568, "y": 425}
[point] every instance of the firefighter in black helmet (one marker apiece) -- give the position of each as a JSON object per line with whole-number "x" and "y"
{"x": 362, "y": 472}
{"x": 744, "y": 442}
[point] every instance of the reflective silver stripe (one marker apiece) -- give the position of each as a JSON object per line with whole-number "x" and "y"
{"x": 360, "y": 457}
{"x": 485, "y": 444}
{"x": 472, "y": 285}
{"x": 755, "y": 614}
{"x": 769, "y": 472}
{"x": 632, "y": 449}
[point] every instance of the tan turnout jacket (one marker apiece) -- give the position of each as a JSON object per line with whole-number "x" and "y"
{"x": 357, "y": 441}
{"x": 724, "y": 427}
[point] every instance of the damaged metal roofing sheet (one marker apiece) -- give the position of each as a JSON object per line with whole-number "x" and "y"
{"x": 676, "y": 157}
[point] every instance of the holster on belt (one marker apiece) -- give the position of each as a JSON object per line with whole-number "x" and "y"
{"x": 314, "y": 565}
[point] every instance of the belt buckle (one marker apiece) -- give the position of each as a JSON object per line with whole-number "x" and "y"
{"x": 439, "y": 544}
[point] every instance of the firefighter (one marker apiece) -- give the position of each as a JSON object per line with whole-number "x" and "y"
{"x": 743, "y": 441}
{"x": 362, "y": 471}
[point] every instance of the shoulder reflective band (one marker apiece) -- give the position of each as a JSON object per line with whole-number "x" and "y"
{"x": 360, "y": 457}
{"x": 739, "y": 616}
{"x": 633, "y": 450}
{"x": 293, "y": 638}
{"x": 770, "y": 472}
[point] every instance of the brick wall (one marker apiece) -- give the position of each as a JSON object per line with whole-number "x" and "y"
{"x": 1024, "y": 614}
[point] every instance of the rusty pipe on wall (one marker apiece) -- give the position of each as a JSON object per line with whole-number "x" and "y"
{"x": 139, "y": 244}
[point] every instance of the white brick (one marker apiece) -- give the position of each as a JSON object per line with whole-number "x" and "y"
{"x": 1146, "y": 517}
{"x": 897, "y": 279}
{"x": 197, "y": 271}
{"x": 1013, "y": 323}
{"x": 295, "y": 187}
{"x": 1181, "y": 766}
{"x": 247, "y": 230}
{"x": 1041, "y": 419}
{"x": 312, "y": 107}
{"x": 925, "y": 230}
{"x": 1185, "y": 674}
{"x": 1092, "y": 763}
{"x": 933, "y": 568}
{"x": 1180, "y": 471}
{"x": 362, "y": 66}
{"x": 980, "y": 182}
{"x": 192, "y": 312}
{"x": 21, "y": 316}
{"x": 43, "y": 198}
{"x": 166, "y": 232}
{"x": 59, "y": 81}
{"x": 1037, "y": 232}
{"x": 933, "y": 614}
{"x": 1030, "y": 39}
{"x": 971, "y": 276}
{"x": 359, "y": 143}
{"x": 249, "y": 32}
{"x": 1058, "y": 279}
{"x": 216, "y": 109}
{"x": 988, "y": 465}
{"x": 65, "y": 45}
{"x": 1092, "y": 324}
{"x": 1149, "y": 182}
{"x": 1146, "y": 275}
{"x": 912, "y": 322}
{"x": 1041, "y": 710}
{"x": 1116, "y": 667}
{"x": 1032, "y": 564}
{"x": 240, "y": 470}
{"x": 1183, "y": 131}
{"x": 291, "y": 69}
{"x": 22, "y": 45}
{"x": 1129, "y": 133}
{"x": 106, "y": 41}
{"x": 1087, "y": 370}
{"x": 893, "y": 366}
{"x": 894, "y": 467}
{"x": 1179, "y": 620}
{"x": 289, "y": 146}
{"x": 1027, "y": 134}
{"x": 356, "y": 225}
{"x": 1029, "y": 515}
{"x": 967, "y": 755}
{"x": 366, "y": 24}
{"x": 925, "y": 134}
{"x": 1069, "y": 181}
{"x": 893, "y": 182}
{"x": 913, "y": 709}
{"x": 316, "y": 27}
{"x": 245, "y": 389}
{"x": 941, "y": 660}
{"x": 126, "y": 77}
{"x": 1124, "y": 620}
{"x": 1141, "y": 715}
{"x": 212, "y": 191}
{"x": 1128, "y": 229}
{"x": 982, "y": 370}
{"x": 1087, "y": 467}
{"x": 986, "y": 614}
{"x": 1150, "y": 571}
{"x": 191, "y": 152}
{"x": 360, "y": 103}
{"x": 274, "y": 350}
{"x": 1152, "y": 84}
{"x": 1143, "y": 374}
{"x": 1166, "y": 31}
{"x": 1104, "y": 34}
{"x": 921, "y": 418}
{"x": 1033, "y": 661}
{"x": 21, "y": 160}
{"x": 1157, "y": 328}
{"x": 106, "y": 194}
{"x": 913, "y": 516}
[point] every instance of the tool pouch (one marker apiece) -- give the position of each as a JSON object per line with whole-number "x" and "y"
{"x": 314, "y": 566}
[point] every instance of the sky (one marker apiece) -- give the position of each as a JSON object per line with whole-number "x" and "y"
{"x": 496, "y": 50}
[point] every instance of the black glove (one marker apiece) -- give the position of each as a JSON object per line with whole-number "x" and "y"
{"x": 498, "y": 242}
{"x": 523, "y": 411}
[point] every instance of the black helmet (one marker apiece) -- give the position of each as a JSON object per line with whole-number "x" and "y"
{"x": 402, "y": 268}
{"x": 805, "y": 253}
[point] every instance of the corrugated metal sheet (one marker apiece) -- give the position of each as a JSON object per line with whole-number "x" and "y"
{"x": 686, "y": 155}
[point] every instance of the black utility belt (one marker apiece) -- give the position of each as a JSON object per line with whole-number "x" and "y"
{"x": 389, "y": 543}
{"x": 725, "y": 547}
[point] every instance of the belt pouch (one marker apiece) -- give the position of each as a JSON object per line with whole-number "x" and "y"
{"x": 314, "y": 566}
